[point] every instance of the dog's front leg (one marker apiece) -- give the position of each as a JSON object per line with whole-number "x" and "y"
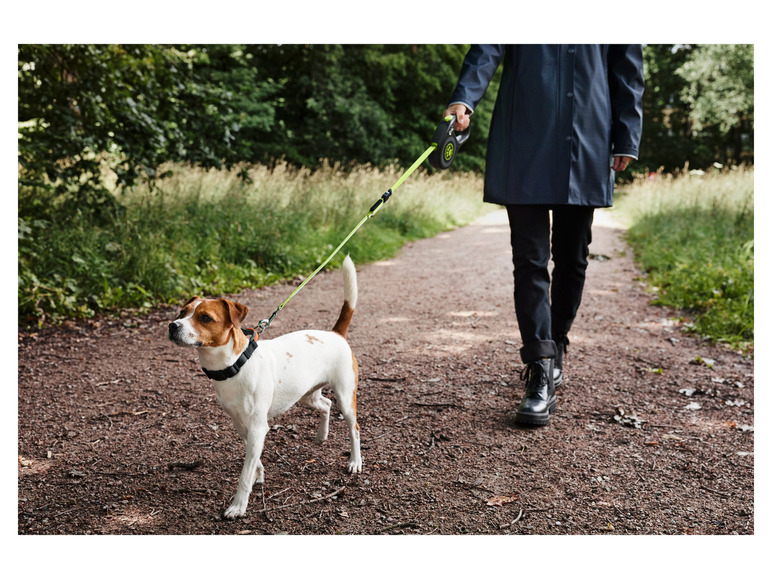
{"x": 253, "y": 468}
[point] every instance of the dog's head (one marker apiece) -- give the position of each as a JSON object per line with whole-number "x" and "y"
{"x": 204, "y": 323}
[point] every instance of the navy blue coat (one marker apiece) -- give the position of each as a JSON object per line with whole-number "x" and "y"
{"x": 561, "y": 113}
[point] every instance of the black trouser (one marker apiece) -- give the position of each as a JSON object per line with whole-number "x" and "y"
{"x": 541, "y": 321}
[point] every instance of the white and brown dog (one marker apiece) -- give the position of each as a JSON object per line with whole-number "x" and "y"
{"x": 255, "y": 383}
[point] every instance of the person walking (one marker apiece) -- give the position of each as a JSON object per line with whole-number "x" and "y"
{"x": 566, "y": 118}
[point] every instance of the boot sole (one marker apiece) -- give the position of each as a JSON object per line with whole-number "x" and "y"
{"x": 534, "y": 419}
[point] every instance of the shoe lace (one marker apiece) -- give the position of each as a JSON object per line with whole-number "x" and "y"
{"x": 531, "y": 371}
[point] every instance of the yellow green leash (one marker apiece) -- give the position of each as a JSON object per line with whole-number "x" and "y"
{"x": 444, "y": 145}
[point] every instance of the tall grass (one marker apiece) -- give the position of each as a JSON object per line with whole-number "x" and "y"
{"x": 693, "y": 234}
{"x": 213, "y": 233}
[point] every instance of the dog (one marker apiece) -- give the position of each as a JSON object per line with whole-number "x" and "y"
{"x": 256, "y": 382}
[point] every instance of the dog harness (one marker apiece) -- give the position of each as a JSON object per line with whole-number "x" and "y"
{"x": 232, "y": 370}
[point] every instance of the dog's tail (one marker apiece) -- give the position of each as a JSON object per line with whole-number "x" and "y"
{"x": 350, "y": 294}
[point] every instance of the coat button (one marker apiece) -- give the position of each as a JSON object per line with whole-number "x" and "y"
{"x": 570, "y": 95}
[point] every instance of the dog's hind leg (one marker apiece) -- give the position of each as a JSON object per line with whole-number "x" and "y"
{"x": 322, "y": 405}
{"x": 253, "y": 468}
{"x": 355, "y": 459}
{"x": 346, "y": 395}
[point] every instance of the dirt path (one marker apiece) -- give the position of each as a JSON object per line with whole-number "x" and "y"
{"x": 120, "y": 433}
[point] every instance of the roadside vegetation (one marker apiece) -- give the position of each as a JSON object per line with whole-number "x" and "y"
{"x": 693, "y": 235}
{"x": 212, "y": 232}
{"x": 143, "y": 169}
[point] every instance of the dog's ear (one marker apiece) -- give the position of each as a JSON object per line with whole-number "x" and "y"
{"x": 236, "y": 311}
{"x": 191, "y": 300}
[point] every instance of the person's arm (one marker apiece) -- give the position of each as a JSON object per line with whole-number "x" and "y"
{"x": 625, "y": 78}
{"x": 480, "y": 63}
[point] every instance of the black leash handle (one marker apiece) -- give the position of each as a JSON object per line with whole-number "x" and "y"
{"x": 447, "y": 141}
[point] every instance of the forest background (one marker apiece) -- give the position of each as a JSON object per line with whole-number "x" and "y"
{"x": 126, "y": 153}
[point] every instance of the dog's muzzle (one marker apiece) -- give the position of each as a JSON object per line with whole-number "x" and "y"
{"x": 176, "y": 334}
{"x": 174, "y": 331}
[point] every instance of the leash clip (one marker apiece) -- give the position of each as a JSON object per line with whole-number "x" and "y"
{"x": 262, "y": 325}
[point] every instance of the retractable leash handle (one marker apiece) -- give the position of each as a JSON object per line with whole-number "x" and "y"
{"x": 447, "y": 142}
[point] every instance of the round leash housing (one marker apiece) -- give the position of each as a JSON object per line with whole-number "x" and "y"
{"x": 447, "y": 141}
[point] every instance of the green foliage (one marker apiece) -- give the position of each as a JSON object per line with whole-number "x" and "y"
{"x": 720, "y": 85}
{"x": 98, "y": 119}
{"x": 134, "y": 107}
{"x": 137, "y": 106}
{"x": 214, "y": 232}
{"x": 665, "y": 141}
{"x": 697, "y": 106}
{"x": 359, "y": 103}
{"x": 719, "y": 92}
{"x": 694, "y": 237}
{"x": 130, "y": 106}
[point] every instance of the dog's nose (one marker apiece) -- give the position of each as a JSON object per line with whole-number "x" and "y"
{"x": 173, "y": 327}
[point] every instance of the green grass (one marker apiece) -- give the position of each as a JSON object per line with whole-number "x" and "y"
{"x": 693, "y": 235}
{"x": 211, "y": 233}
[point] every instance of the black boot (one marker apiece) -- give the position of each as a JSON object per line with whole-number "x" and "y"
{"x": 539, "y": 400}
{"x": 562, "y": 346}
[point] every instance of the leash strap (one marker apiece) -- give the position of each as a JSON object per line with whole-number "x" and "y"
{"x": 373, "y": 210}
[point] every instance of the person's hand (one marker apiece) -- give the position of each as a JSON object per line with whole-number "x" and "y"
{"x": 462, "y": 117}
{"x": 621, "y": 162}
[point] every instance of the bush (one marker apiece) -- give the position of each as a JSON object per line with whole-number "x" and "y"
{"x": 693, "y": 235}
{"x": 214, "y": 233}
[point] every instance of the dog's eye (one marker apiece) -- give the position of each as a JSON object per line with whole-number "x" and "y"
{"x": 182, "y": 314}
{"x": 205, "y": 319}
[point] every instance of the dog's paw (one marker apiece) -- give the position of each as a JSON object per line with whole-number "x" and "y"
{"x": 235, "y": 510}
{"x": 354, "y": 466}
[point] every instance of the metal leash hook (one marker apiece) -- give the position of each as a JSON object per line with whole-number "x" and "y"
{"x": 262, "y": 325}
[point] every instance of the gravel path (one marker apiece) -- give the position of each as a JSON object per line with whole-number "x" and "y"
{"x": 119, "y": 431}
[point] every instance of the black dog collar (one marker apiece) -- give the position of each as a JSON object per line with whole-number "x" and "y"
{"x": 231, "y": 371}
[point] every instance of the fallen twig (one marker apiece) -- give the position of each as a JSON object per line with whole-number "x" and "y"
{"x": 109, "y": 382}
{"x": 437, "y": 404}
{"x": 723, "y": 494}
{"x": 389, "y": 431}
{"x": 129, "y": 412}
{"x": 102, "y": 473}
{"x": 517, "y": 518}
{"x": 472, "y": 485}
{"x": 399, "y": 526}
{"x": 316, "y": 500}
{"x": 277, "y": 494}
{"x": 185, "y": 490}
{"x": 267, "y": 516}
{"x": 184, "y": 465}
{"x": 539, "y": 510}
